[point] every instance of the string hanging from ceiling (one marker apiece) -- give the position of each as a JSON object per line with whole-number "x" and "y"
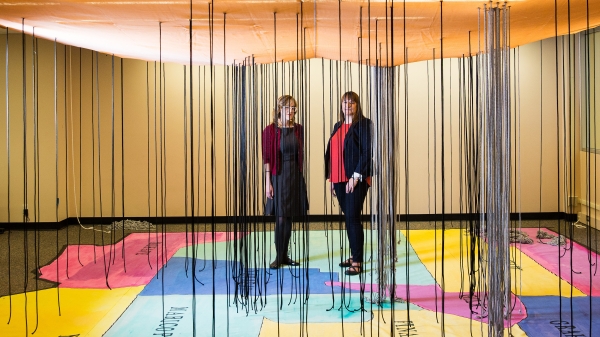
{"x": 384, "y": 200}
{"x": 250, "y": 91}
{"x": 8, "y": 178}
{"x": 25, "y": 180}
{"x": 591, "y": 138}
{"x": 497, "y": 153}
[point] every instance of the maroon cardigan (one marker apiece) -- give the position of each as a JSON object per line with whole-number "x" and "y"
{"x": 271, "y": 144}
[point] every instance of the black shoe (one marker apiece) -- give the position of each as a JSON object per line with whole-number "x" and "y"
{"x": 275, "y": 264}
{"x": 353, "y": 270}
{"x": 346, "y": 264}
{"x": 290, "y": 262}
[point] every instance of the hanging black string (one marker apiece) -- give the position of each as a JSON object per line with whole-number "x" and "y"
{"x": 123, "y": 166}
{"x": 435, "y": 183}
{"x": 99, "y": 129}
{"x": 541, "y": 125}
{"x": 588, "y": 147}
{"x": 56, "y": 174}
{"x": 36, "y": 170}
{"x": 161, "y": 168}
{"x": 573, "y": 167}
{"x": 212, "y": 158}
{"x": 8, "y": 178}
{"x": 66, "y": 107}
{"x": 461, "y": 155}
{"x": 155, "y": 138}
{"x": 203, "y": 124}
{"x": 391, "y": 135}
{"x": 558, "y": 188}
{"x": 442, "y": 166}
{"x": 79, "y": 204}
{"x": 111, "y": 248}
{"x": 25, "y": 187}
{"x": 148, "y": 153}
{"x": 93, "y": 85}
{"x": 591, "y": 119}
{"x": 191, "y": 123}
{"x": 515, "y": 257}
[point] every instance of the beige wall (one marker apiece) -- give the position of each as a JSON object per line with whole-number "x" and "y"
{"x": 537, "y": 130}
{"x": 32, "y": 133}
{"x": 589, "y": 168}
{"x": 154, "y": 185}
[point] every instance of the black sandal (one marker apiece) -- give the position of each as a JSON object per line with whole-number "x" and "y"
{"x": 354, "y": 270}
{"x": 347, "y": 263}
{"x": 290, "y": 262}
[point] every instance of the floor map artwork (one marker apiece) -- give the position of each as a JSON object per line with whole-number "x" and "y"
{"x": 175, "y": 285}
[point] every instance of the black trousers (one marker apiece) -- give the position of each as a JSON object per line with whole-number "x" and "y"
{"x": 283, "y": 233}
{"x": 352, "y": 204}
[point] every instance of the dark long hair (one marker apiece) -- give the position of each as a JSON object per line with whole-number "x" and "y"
{"x": 354, "y": 97}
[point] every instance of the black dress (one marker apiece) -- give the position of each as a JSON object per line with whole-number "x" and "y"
{"x": 289, "y": 186}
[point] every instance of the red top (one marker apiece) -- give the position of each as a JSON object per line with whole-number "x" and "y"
{"x": 338, "y": 174}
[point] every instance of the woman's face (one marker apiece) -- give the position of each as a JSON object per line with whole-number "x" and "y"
{"x": 349, "y": 107}
{"x": 288, "y": 112}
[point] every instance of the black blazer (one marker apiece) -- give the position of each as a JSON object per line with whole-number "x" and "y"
{"x": 357, "y": 149}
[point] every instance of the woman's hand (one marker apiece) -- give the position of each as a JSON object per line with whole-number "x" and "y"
{"x": 351, "y": 185}
{"x": 332, "y": 190}
{"x": 268, "y": 189}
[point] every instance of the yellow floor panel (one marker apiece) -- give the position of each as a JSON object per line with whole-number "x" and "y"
{"x": 83, "y": 312}
{"x": 525, "y": 281}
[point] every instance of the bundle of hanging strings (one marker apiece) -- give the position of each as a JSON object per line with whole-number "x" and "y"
{"x": 496, "y": 164}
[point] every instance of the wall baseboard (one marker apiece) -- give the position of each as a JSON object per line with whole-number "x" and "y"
{"x": 592, "y": 209}
{"x": 313, "y": 218}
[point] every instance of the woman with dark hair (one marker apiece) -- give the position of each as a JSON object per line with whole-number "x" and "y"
{"x": 348, "y": 166}
{"x": 285, "y": 188}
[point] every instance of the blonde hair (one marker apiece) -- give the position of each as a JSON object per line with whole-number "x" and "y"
{"x": 282, "y": 101}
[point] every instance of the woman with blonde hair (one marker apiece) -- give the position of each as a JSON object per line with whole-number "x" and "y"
{"x": 285, "y": 187}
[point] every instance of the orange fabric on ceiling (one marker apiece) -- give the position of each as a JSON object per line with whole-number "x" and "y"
{"x": 349, "y": 30}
